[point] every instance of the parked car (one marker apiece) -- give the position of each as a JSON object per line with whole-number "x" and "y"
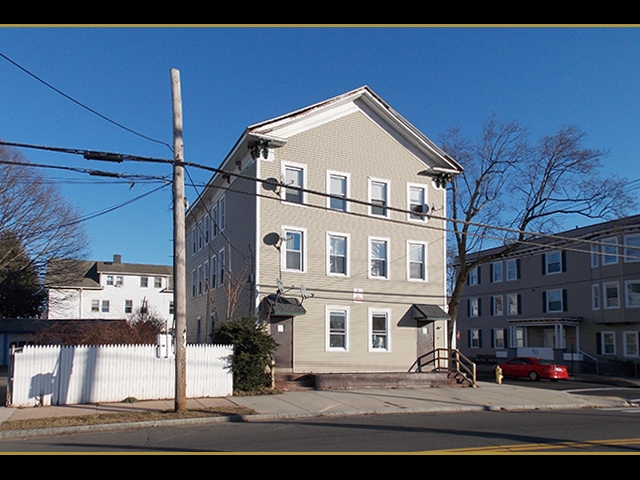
{"x": 534, "y": 368}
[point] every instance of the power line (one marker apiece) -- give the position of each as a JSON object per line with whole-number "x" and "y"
{"x": 68, "y": 97}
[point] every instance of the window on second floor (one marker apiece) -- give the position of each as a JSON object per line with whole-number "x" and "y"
{"x": 632, "y": 248}
{"x": 611, "y": 295}
{"x": 554, "y": 301}
{"x": 553, "y": 263}
{"x": 417, "y": 199}
{"x": 610, "y": 251}
{"x": 144, "y": 282}
{"x": 496, "y": 271}
{"x": 378, "y": 258}
{"x": 416, "y": 261}
{"x": 337, "y": 254}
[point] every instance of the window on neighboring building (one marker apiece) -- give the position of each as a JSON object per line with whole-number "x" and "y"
{"x": 417, "y": 202}
{"x": 194, "y": 284}
{"x": 171, "y": 307}
{"x": 417, "y": 261}
{"x": 109, "y": 279}
{"x": 473, "y": 307}
{"x": 222, "y": 266}
{"x": 513, "y": 269}
{"x": 223, "y": 213}
{"x": 497, "y": 308}
{"x": 475, "y": 338}
{"x": 611, "y": 295}
{"x": 128, "y": 306}
{"x": 514, "y": 304}
{"x": 379, "y": 330}
{"x": 214, "y": 272}
{"x": 554, "y": 300}
{"x": 474, "y": 276}
{"x": 105, "y": 306}
{"x": 632, "y": 288}
{"x": 95, "y": 305}
{"x": 207, "y": 228}
{"x": 337, "y": 328}
{"x": 632, "y": 248}
{"x": 553, "y": 263}
{"x": 157, "y": 282}
{"x": 607, "y": 343}
{"x": 200, "y": 280}
{"x": 144, "y": 282}
{"x": 293, "y": 250}
{"x": 499, "y": 338}
{"x": 205, "y": 275}
{"x": 338, "y": 186}
{"x": 496, "y": 272}
{"x": 378, "y": 258}
{"x": 630, "y": 344}
{"x": 595, "y": 297}
{"x": 215, "y": 220}
{"x": 119, "y": 281}
{"x": 378, "y": 197}
{"x": 610, "y": 250}
{"x": 194, "y": 240}
{"x": 294, "y": 176}
{"x": 337, "y": 254}
{"x": 595, "y": 256}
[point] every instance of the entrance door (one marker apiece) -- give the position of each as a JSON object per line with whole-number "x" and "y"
{"x": 281, "y": 329}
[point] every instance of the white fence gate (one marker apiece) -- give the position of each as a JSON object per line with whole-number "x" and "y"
{"x": 67, "y": 375}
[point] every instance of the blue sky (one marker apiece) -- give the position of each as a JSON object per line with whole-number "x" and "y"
{"x": 232, "y": 77}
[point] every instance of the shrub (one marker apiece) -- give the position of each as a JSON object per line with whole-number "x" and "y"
{"x": 252, "y": 348}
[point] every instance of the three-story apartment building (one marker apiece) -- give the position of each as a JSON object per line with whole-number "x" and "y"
{"x": 319, "y": 221}
{"x": 574, "y": 298}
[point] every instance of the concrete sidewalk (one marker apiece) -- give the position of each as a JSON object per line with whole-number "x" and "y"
{"x": 309, "y": 403}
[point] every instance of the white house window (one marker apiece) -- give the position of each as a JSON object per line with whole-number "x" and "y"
{"x": 632, "y": 288}
{"x": 157, "y": 282}
{"x": 378, "y": 197}
{"x": 128, "y": 306}
{"x": 109, "y": 279}
{"x": 379, "y": 330}
{"x": 105, "y": 306}
{"x": 294, "y": 176}
{"x": 119, "y": 281}
{"x": 378, "y": 258}
{"x": 513, "y": 304}
{"x": 337, "y": 186}
{"x": 293, "y": 250}
{"x": 632, "y": 248}
{"x": 630, "y": 344}
{"x": 553, "y": 263}
{"x": 417, "y": 196}
{"x": 611, "y": 295}
{"x": 337, "y": 329}
{"x": 513, "y": 270}
{"x": 144, "y": 282}
{"x": 610, "y": 250}
{"x": 417, "y": 260}
{"x": 497, "y": 306}
{"x": 337, "y": 254}
{"x": 496, "y": 272}
{"x": 595, "y": 297}
{"x": 554, "y": 301}
{"x": 608, "y": 343}
{"x": 95, "y": 305}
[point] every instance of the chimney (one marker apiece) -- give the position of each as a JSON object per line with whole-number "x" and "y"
{"x": 117, "y": 258}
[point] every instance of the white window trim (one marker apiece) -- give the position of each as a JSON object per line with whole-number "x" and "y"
{"x": 624, "y": 344}
{"x": 222, "y": 213}
{"x": 425, "y": 202}
{"x": 595, "y": 256}
{"x": 283, "y": 190}
{"x": 372, "y": 180}
{"x": 387, "y": 312}
{"x": 213, "y": 280}
{"x": 328, "y": 310}
{"x": 473, "y": 276}
{"x": 222, "y": 266}
{"x": 627, "y": 257}
{"x": 507, "y": 306}
{"x": 494, "y": 310}
{"x": 611, "y": 242}
{"x": 283, "y": 250}
{"x": 347, "y": 260}
{"x": 602, "y": 343}
{"x": 347, "y": 176}
{"x": 626, "y": 293}
{"x": 471, "y": 345}
{"x": 514, "y": 262}
{"x": 548, "y": 301}
{"x": 547, "y": 262}
{"x": 424, "y": 261}
{"x": 493, "y": 273}
{"x": 596, "y": 298}
{"x": 472, "y": 313}
{"x": 387, "y": 275}
{"x": 605, "y": 298}
{"x": 494, "y": 334}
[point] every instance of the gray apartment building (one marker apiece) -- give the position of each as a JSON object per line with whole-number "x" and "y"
{"x": 573, "y": 298}
{"x": 318, "y": 222}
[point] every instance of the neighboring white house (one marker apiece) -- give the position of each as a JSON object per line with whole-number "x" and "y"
{"x": 82, "y": 289}
{"x": 328, "y": 222}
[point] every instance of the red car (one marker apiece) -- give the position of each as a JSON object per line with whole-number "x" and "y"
{"x": 534, "y": 368}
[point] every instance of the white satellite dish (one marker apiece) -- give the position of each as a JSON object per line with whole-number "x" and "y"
{"x": 280, "y": 286}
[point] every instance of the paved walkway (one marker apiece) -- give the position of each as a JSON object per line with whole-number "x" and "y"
{"x": 487, "y": 396}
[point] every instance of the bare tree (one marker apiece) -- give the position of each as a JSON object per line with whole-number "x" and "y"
{"x": 35, "y": 214}
{"x": 512, "y": 187}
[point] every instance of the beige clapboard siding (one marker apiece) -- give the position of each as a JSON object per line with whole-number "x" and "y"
{"x": 353, "y": 145}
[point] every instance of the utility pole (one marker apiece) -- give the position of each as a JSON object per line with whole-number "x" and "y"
{"x": 179, "y": 275}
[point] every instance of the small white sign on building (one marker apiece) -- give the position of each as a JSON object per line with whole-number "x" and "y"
{"x": 358, "y": 295}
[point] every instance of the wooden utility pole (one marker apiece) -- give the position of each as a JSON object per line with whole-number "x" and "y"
{"x": 179, "y": 275}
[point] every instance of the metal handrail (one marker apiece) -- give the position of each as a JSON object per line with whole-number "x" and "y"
{"x": 454, "y": 361}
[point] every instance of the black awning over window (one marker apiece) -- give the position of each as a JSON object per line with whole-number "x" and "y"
{"x": 429, "y": 313}
{"x": 283, "y": 306}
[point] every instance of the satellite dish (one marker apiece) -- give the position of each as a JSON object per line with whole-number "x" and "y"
{"x": 280, "y": 286}
{"x": 304, "y": 293}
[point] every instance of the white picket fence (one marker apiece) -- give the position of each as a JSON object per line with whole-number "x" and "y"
{"x": 68, "y": 375}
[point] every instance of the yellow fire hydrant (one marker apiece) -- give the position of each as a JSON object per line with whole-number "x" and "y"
{"x": 498, "y": 372}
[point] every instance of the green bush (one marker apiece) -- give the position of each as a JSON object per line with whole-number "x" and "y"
{"x": 252, "y": 348}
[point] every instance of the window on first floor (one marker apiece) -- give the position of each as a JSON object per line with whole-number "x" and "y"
{"x": 630, "y": 344}
{"x": 95, "y": 305}
{"x": 337, "y": 328}
{"x": 607, "y": 343}
{"x": 128, "y": 306}
{"x": 499, "y": 339}
{"x": 105, "y": 306}
{"x": 379, "y": 330}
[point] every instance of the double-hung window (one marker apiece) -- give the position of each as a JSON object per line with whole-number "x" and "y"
{"x": 607, "y": 343}
{"x": 378, "y": 197}
{"x": 294, "y": 180}
{"x": 595, "y": 296}
{"x": 417, "y": 197}
{"x": 610, "y": 251}
{"x": 630, "y": 344}
{"x": 379, "y": 330}
{"x": 553, "y": 263}
{"x": 128, "y": 306}
{"x": 337, "y": 329}
{"x": 496, "y": 271}
{"x": 632, "y": 248}
{"x": 95, "y": 305}
{"x": 144, "y": 282}
{"x": 293, "y": 250}
{"x": 338, "y": 188}
{"x": 416, "y": 261}
{"x": 497, "y": 307}
{"x": 611, "y": 295}
{"x": 632, "y": 288}
{"x": 222, "y": 266}
{"x": 337, "y": 254}
{"x": 105, "y": 306}
{"x": 214, "y": 272}
{"x": 223, "y": 212}
{"x": 554, "y": 300}
{"x": 513, "y": 304}
{"x": 378, "y": 258}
